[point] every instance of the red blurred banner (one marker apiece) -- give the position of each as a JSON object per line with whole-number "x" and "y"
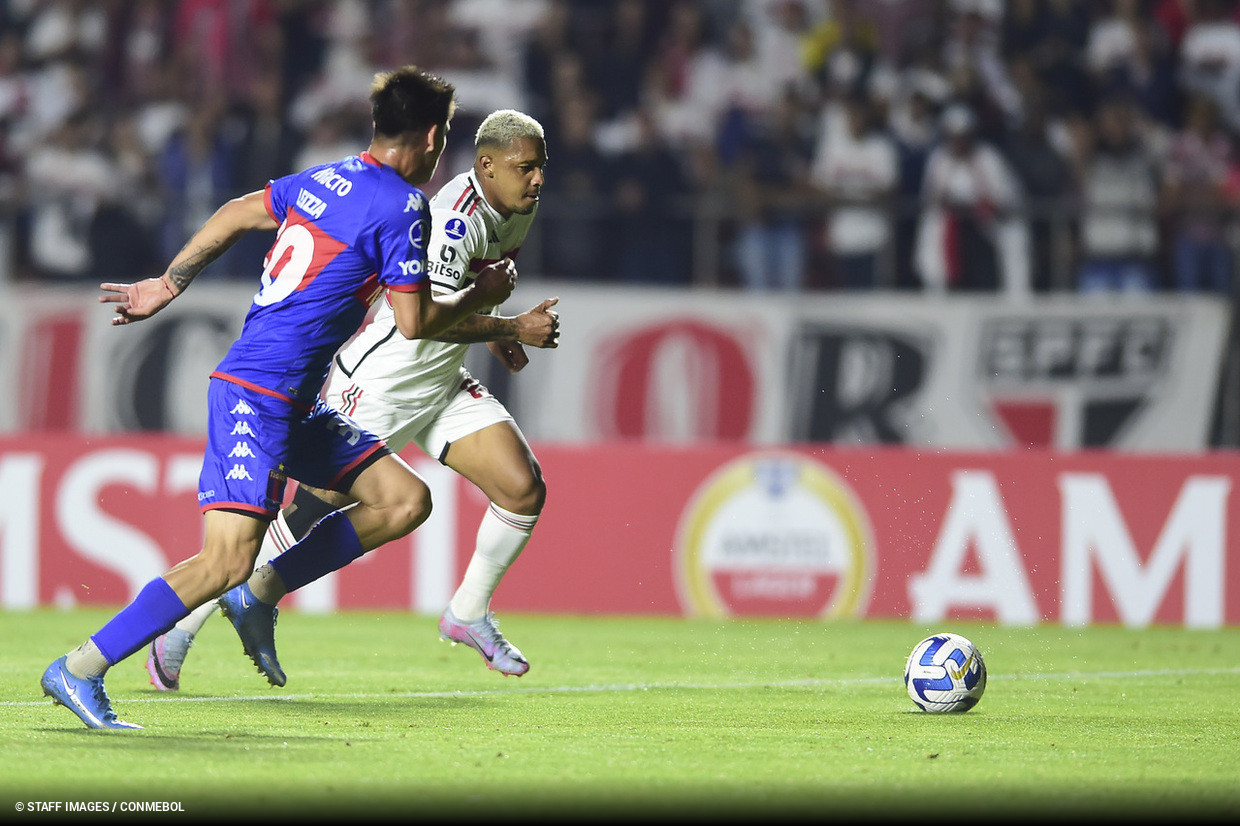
{"x": 1018, "y": 537}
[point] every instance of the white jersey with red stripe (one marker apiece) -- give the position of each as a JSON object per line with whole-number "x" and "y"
{"x": 467, "y": 234}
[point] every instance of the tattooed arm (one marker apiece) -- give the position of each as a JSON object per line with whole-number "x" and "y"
{"x": 476, "y": 328}
{"x": 505, "y": 335}
{"x": 538, "y": 327}
{"x": 143, "y": 299}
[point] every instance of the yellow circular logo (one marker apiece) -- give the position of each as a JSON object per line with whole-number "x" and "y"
{"x": 774, "y": 534}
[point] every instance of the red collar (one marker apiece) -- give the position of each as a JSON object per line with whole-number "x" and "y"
{"x": 370, "y": 159}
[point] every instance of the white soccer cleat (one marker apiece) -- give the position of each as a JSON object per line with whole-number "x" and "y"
{"x": 483, "y": 636}
{"x": 166, "y": 656}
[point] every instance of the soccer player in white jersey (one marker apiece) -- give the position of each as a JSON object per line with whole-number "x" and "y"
{"x": 419, "y": 391}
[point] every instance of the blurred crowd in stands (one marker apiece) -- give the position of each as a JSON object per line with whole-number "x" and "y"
{"x": 940, "y": 145}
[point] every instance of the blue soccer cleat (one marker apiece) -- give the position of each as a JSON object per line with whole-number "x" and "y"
{"x": 255, "y": 622}
{"x": 84, "y": 696}
{"x": 483, "y": 636}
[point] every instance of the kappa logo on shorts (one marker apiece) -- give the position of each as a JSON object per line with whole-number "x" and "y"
{"x": 242, "y": 429}
{"x": 242, "y": 409}
{"x": 239, "y": 472}
{"x": 241, "y": 450}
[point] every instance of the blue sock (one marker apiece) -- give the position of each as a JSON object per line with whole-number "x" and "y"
{"x": 330, "y": 545}
{"x": 153, "y": 611}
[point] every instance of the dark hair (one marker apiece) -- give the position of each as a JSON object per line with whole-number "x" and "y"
{"x": 409, "y": 99}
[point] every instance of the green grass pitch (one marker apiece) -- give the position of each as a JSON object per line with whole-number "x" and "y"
{"x": 621, "y": 717}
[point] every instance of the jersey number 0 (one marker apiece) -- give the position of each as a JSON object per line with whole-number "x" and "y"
{"x": 289, "y": 266}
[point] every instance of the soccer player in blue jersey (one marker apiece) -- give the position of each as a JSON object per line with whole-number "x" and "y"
{"x": 419, "y": 392}
{"x": 346, "y": 232}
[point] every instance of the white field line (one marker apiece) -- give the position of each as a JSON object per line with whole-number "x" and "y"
{"x": 628, "y": 687}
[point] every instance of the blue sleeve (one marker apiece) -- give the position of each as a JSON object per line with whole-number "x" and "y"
{"x": 401, "y": 233}
{"x": 276, "y": 198}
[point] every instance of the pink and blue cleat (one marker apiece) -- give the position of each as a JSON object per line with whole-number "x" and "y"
{"x": 483, "y": 636}
{"x": 165, "y": 657}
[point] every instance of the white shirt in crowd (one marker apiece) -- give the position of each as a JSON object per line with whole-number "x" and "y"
{"x": 980, "y": 179}
{"x": 860, "y": 168}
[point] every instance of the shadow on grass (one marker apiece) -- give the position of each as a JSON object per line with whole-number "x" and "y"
{"x": 251, "y": 717}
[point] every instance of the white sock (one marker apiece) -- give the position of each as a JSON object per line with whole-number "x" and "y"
{"x": 193, "y": 623}
{"x": 266, "y": 584}
{"x": 86, "y": 661}
{"x": 501, "y": 538}
{"x": 275, "y": 542}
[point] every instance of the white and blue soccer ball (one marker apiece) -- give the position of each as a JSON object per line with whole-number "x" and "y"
{"x": 945, "y": 673}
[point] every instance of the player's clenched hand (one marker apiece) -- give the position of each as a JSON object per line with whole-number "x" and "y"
{"x": 137, "y": 301}
{"x": 510, "y": 353}
{"x": 540, "y": 327}
{"x": 495, "y": 282}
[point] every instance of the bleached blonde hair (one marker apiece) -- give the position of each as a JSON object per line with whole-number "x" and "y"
{"x": 502, "y": 127}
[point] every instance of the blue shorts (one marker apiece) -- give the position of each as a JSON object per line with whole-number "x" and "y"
{"x": 256, "y": 442}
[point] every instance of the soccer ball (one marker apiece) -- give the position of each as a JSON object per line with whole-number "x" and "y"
{"x": 945, "y": 673}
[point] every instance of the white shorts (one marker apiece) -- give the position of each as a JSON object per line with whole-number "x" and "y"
{"x": 432, "y": 427}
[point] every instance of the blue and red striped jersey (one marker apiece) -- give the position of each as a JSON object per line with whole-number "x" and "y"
{"x": 348, "y": 230}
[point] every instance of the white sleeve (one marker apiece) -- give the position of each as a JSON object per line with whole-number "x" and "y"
{"x": 456, "y": 240}
{"x": 1001, "y": 182}
{"x": 887, "y": 164}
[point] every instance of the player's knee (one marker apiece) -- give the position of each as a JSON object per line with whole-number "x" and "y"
{"x": 223, "y": 575}
{"x": 225, "y": 568}
{"x": 524, "y": 494}
{"x": 535, "y": 495}
{"x": 411, "y": 510}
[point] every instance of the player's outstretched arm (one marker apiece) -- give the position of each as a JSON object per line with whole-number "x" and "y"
{"x": 139, "y": 300}
{"x": 145, "y": 298}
